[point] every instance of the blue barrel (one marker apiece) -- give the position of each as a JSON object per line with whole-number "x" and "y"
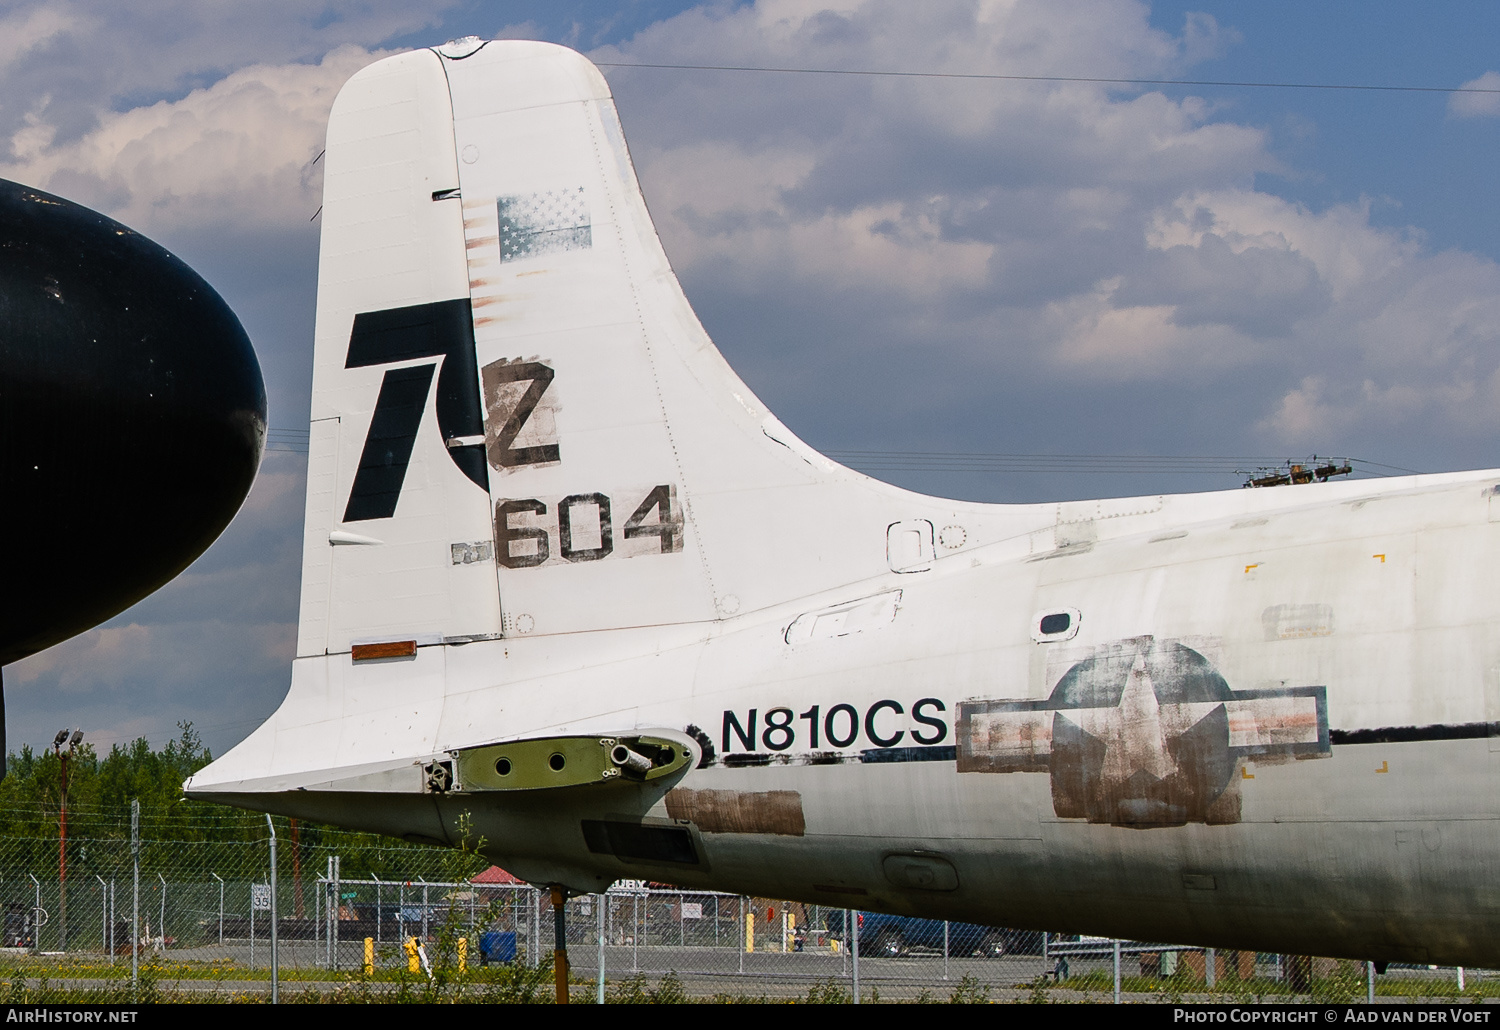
{"x": 497, "y": 946}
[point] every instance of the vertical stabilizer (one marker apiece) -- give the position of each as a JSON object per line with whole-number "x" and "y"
{"x": 513, "y": 397}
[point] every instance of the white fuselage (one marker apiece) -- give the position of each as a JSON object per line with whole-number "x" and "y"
{"x": 1380, "y": 593}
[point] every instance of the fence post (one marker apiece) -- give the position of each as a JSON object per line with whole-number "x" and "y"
{"x": 1369, "y": 983}
{"x": 328, "y": 891}
{"x": 854, "y": 951}
{"x": 333, "y": 928}
{"x": 424, "y": 909}
{"x": 1116, "y": 943}
{"x": 104, "y": 917}
{"x": 135, "y": 899}
{"x": 162, "y": 926}
{"x": 275, "y": 955}
{"x": 844, "y": 949}
{"x": 945, "y": 949}
{"x": 603, "y": 900}
{"x": 216, "y": 876}
{"x": 36, "y": 917}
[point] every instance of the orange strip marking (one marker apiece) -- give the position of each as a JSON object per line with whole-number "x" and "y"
{"x": 384, "y": 649}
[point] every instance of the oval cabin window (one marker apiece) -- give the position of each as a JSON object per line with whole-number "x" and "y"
{"x": 1055, "y": 624}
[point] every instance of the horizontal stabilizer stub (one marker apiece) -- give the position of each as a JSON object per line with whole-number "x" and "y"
{"x": 552, "y": 762}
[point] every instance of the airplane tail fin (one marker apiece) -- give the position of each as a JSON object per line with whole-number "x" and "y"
{"x": 519, "y": 425}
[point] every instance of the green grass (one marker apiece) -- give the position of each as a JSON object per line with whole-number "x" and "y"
{"x": 33, "y": 979}
{"x": 1345, "y": 984}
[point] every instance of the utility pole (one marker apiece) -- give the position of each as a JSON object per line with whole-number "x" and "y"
{"x": 62, "y": 831}
{"x": 560, "y": 944}
{"x": 135, "y": 898}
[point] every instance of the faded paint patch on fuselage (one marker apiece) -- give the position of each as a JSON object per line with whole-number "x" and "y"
{"x": 1294, "y": 621}
{"x": 737, "y": 811}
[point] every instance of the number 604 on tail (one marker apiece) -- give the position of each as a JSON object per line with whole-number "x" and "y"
{"x": 581, "y": 527}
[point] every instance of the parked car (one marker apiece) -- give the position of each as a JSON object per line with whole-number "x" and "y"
{"x": 893, "y": 936}
{"x": 18, "y": 928}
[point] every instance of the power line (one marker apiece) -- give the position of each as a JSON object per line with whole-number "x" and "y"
{"x": 293, "y": 440}
{"x": 1003, "y": 462}
{"x": 988, "y": 76}
{"x": 1133, "y": 464}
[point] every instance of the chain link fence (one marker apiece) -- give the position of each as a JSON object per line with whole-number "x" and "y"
{"x": 102, "y": 906}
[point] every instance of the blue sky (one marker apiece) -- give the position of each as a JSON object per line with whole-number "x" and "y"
{"x": 892, "y": 264}
{"x": 1428, "y": 170}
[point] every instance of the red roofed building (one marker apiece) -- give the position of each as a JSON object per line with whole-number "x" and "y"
{"x": 494, "y": 876}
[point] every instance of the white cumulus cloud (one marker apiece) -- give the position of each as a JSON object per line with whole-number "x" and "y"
{"x": 1065, "y": 233}
{"x": 240, "y": 151}
{"x": 1477, "y": 105}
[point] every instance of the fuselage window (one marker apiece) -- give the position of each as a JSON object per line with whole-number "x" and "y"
{"x": 1055, "y": 624}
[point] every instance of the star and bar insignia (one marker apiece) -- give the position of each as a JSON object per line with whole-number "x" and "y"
{"x": 1143, "y": 733}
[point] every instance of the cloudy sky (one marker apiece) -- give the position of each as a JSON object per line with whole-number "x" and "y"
{"x": 894, "y": 263}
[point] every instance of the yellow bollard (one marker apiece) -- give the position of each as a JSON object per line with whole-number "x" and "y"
{"x": 369, "y": 956}
{"x": 463, "y": 954}
{"x": 790, "y": 941}
{"x": 749, "y": 931}
{"x": 410, "y": 947}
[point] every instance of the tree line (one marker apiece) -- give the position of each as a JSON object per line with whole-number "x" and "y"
{"x": 177, "y": 834}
